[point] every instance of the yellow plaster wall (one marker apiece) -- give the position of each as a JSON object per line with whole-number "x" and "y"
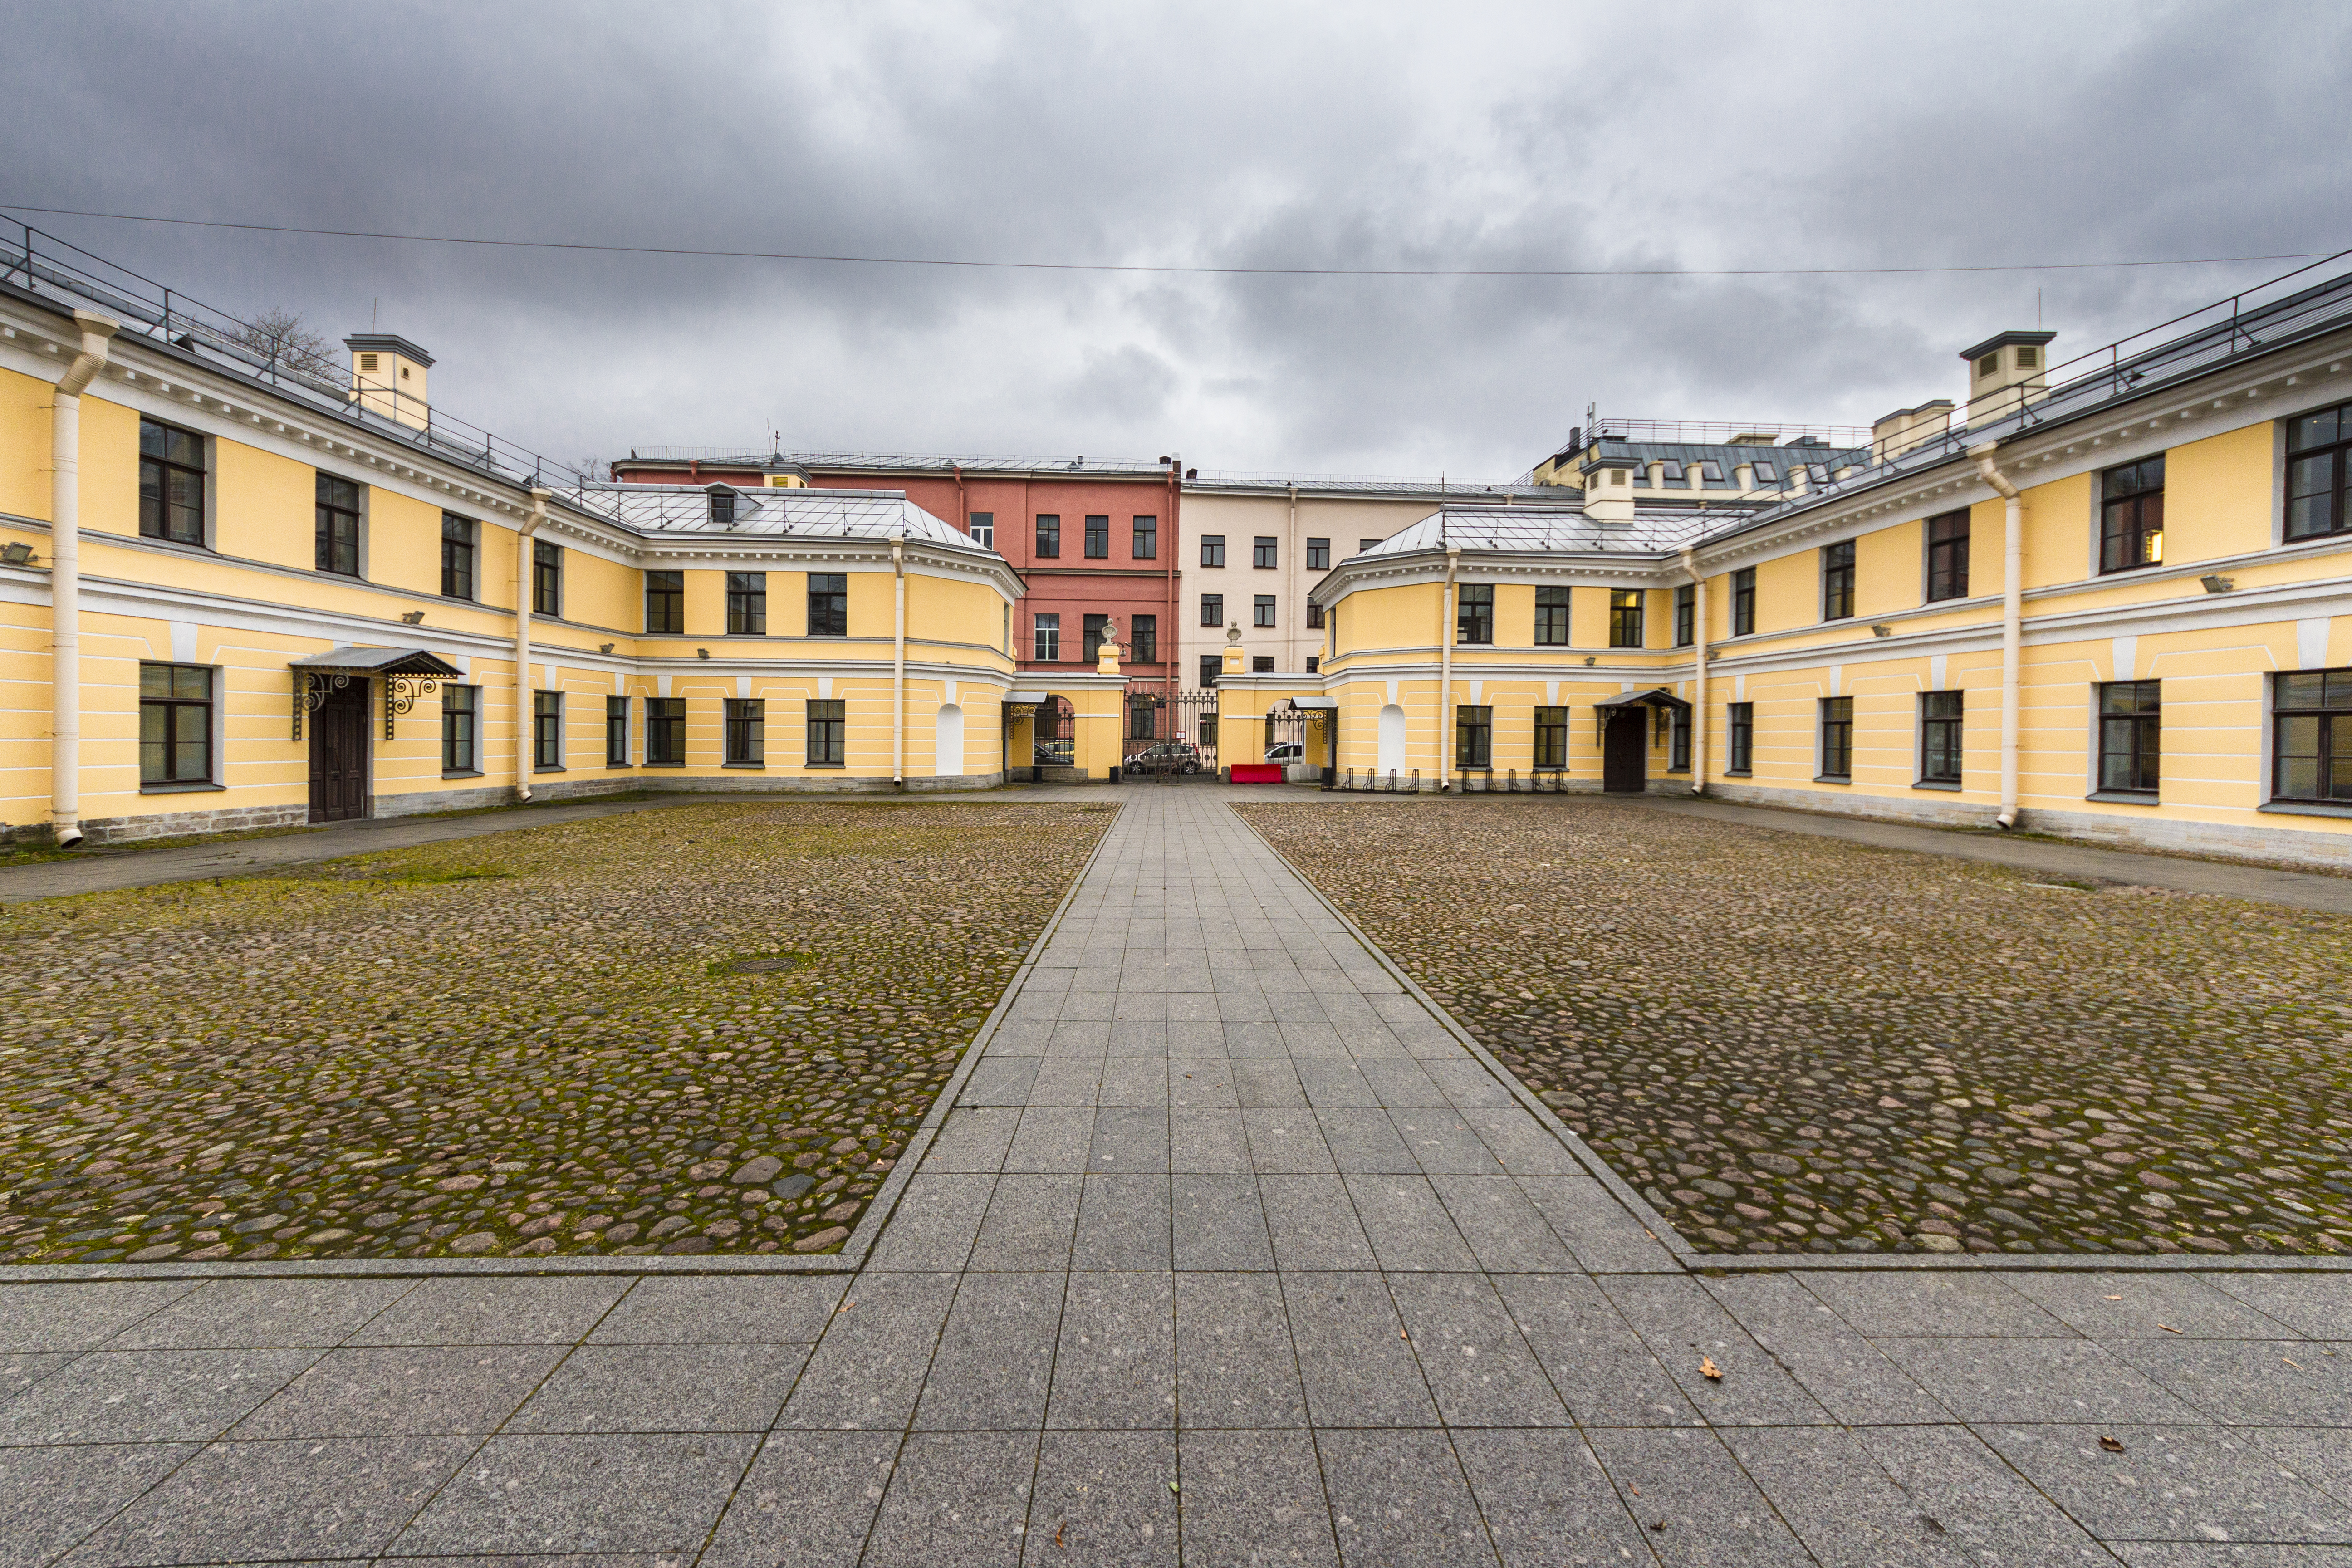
{"x": 1887, "y": 570}
{"x": 25, "y": 444}
{"x": 705, "y": 604}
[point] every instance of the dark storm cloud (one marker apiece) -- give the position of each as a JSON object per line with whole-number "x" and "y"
{"x": 1406, "y": 136}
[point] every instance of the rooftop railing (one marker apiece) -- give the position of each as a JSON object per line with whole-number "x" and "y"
{"x": 44, "y": 264}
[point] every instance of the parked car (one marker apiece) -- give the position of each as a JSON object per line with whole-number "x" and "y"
{"x": 1286, "y": 751}
{"x": 1166, "y": 757}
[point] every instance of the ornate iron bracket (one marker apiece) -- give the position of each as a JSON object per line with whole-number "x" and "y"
{"x": 312, "y": 690}
{"x": 400, "y": 695}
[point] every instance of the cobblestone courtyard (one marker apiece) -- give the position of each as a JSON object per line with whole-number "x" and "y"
{"x": 1789, "y": 1042}
{"x": 708, "y": 1029}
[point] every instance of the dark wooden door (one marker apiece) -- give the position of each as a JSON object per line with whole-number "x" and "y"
{"x": 1625, "y": 755}
{"x": 339, "y": 756}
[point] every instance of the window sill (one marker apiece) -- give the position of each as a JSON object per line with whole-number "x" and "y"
{"x": 1739, "y": 772}
{"x": 188, "y": 786}
{"x": 665, "y": 764}
{"x": 845, "y": 764}
{"x": 2306, "y": 808}
{"x": 612, "y": 766}
{"x": 1833, "y": 778}
{"x": 461, "y": 773}
{"x": 461, "y": 599}
{"x": 1936, "y": 783}
{"x": 346, "y": 576}
{"x": 2125, "y": 796}
{"x": 554, "y": 768}
{"x": 752, "y": 767}
{"x": 199, "y": 546}
{"x": 1684, "y": 771}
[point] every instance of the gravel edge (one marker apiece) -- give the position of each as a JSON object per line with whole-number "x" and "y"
{"x": 848, "y": 1261}
{"x": 1698, "y": 1262}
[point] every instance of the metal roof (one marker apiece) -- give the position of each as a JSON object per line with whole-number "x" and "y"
{"x": 899, "y": 462}
{"x": 1508, "y": 528}
{"x": 811, "y": 513}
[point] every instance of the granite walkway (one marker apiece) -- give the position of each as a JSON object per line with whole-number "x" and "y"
{"x": 1229, "y": 1254}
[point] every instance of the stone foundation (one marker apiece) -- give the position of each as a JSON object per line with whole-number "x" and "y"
{"x": 181, "y": 824}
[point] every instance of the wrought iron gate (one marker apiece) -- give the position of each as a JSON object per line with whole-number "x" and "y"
{"x": 1171, "y": 736}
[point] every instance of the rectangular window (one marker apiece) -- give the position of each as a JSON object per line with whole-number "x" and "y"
{"x": 827, "y": 722}
{"x": 1552, "y": 737}
{"x": 2131, "y": 515}
{"x": 1678, "y": 741}
{"x": 1262, "y": 553}
{"x": 2131, "y": 720}
{"x": 722, "y": 506}
{"x": 1940, "y": 737}
{"x": 664, "y": 731}
{"x": 2318, "y": 486}
{"x": 1742, "y": 726}
{"x": 175, "y": 723}
{"x": 747, "y": 603}
{"x": 1146, "y": 631}
{"x": 747, "y": 731}
{"x": 1551, "y": 617}
{"x": 1837, "y": 581}
{"x": 982, "y": 526}
{"x": 1049, "y": 536}
{"x": 1313, "y": 616}
{"x": 828, "y": 605}
{"x": 664, "y": 602}
{"x": 1090, "y": 637}
{"x": 1473, "y": 736}
{"x": 546, "y": 730}
{"x": 1098, "y": 538}
{"x": 1474, "y": 613}
{"x": 1837, "y": 737}
{"x": 460, "y": 738}
{"x": 1687, "y": 614}
{"x": 616, "y": 732}
{"x": 1364, "y": 544}
{"x": 339, "y": 526}
{"x": 2313, "y": 709}
{"x": 546, "y": 578}
{"x": 1212, "y": 667}
{"x": 1262, "y": 664}
{"x": 1314, "y": 664}
{"x": 1318, "y": 555}
{"x": 457, "y": 547}
{"x": 1948, "y": 556}
{"x": 1147, "y": 539}
{"x": 1743, "y": 601}
{"x": 1212, "y": 609}
{"x": 1049, "y": 636}
{"x": 1624, "y": 618}
{"x": 1212, "y": 550}
{"x": 171, "y": 483}
{"x": 1262, "y": 610}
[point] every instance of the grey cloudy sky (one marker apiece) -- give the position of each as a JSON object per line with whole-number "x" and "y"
{"x": 1222, "y": 134}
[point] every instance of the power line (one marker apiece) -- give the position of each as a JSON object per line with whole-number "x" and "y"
{"x": 1148, "y": 268}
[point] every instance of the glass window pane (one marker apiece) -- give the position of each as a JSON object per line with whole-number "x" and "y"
{"x": 2339, "y": 746}
{"x": 192, "y": 683}
{"x": 2308, "y": 691}
{"x": 2312, "y": 430}
{"x": 154, "y": 681}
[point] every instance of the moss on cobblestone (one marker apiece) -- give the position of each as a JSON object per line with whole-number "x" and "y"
{"x": 1790, "y": 1042}
{"x": 520, "y": 1045}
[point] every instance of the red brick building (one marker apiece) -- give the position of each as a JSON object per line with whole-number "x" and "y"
{"x": 1094, "y": 543}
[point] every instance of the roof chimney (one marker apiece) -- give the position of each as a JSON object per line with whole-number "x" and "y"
{"x": 1895, "y": 434}
{"x": 2007, "y": 372}
{"x": 388, "y": 378}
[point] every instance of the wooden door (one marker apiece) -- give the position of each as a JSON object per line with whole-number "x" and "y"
{"x": 1625, "y": 756}
{"x": 339, "y": 756}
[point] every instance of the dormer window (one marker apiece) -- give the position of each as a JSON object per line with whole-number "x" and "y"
{"x": 1711, "y": 471}
{"x": 1765, "y": 472}
{"x": 722, "y": 506}
{"x": 1673, "y": 472}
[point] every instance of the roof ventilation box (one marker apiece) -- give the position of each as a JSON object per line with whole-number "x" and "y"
{"x": 2006, "y": 371}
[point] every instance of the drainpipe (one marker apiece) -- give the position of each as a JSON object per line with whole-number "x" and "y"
{"x": 898, "y": 665}
{"x": 1699, "y": 724}
{"x": 526, "y": 723}
{"x": 1445, "y": 673}
{"x": 65, "y": 576}
{"x": 2012, "y": 621}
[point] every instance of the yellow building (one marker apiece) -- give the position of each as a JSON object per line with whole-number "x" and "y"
{"x": 280, "y": 597}
{"x": 2116, "y": 606}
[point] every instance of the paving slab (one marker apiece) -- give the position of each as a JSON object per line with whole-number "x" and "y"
{"x": 1232, "y": 1251}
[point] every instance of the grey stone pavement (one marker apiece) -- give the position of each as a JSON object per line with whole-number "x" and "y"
{"x": 1229, "y": 1253}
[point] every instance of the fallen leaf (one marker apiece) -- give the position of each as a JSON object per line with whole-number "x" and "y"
{"x": 1057, "y": 1534}
{"x": 2112, "y": 1444}
{"x": 2115, "y": 1298}
{"x": 1637, "y": 1491}
{"x": 1708, "y": 1369}
{"x": 1402, "y": 1335}
{"x": 2167, "y": 1328}
{"x": 1172, "y": 1492}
